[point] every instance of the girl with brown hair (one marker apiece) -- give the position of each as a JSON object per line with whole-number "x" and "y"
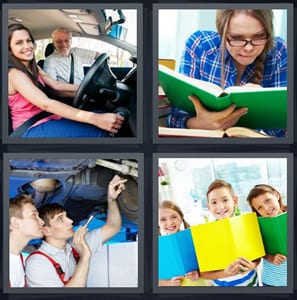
{"x": 171, "y": 219}
{"x": 266, "y": 201}
{"x": 26, "y": 96}
{"x": 243, "y": 51}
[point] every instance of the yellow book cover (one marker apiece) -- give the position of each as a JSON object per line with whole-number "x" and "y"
{"x": 219, "y": 243}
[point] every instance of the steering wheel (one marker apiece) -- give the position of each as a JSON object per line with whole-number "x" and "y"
{"x": 98, "y": 78}
{"x": 112, "y": 95}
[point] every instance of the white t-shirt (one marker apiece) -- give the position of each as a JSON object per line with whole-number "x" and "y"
{"x": 16, "y": 271}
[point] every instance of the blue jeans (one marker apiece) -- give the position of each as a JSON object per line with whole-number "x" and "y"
{"x": 64, "y": 128}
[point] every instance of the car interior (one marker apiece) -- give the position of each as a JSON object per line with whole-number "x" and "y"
{"x": 112, "y": 89}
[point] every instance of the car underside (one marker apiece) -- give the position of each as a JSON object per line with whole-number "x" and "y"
{"x": 82, "y": 187}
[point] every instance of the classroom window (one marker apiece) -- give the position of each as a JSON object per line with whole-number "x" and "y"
{"x": 187, "y": 179}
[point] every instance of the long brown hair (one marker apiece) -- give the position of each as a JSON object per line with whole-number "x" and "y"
{"x": 265, "y": 17}
{"x": 172, "y": 205}
{"x": 261, "y": 189}
{"x": 14, "y": 62}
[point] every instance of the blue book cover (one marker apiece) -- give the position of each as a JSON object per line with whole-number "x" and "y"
{"x": 176, "y": 255}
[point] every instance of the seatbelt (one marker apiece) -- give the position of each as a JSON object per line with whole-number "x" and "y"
{"x": 22, "y": 128}
{"x": 71, "y": 80}
{"x": 56, "y": 265}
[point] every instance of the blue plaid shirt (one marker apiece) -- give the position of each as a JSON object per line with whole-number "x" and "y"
{"x": 201, "y": 59}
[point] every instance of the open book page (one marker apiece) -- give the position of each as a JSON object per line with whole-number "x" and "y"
{"x": 251, "y": 88}
{"x": 245, "y": 132}
{"x": 238, "y": 132}
{"x": 181, "y": 132}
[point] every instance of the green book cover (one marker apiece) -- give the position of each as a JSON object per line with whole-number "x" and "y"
{"x": 267, "y": 107}
{"x": 274, "y": 233}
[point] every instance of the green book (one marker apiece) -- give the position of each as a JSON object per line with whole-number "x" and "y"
{"x": 267, "y": 107}
{"x": 274, "y": 234}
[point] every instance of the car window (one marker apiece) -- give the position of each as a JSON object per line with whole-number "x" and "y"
{"x": 118, "y": 57}
{"x": 125, "y": 31}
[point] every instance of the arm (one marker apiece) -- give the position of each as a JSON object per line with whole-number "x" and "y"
{"x": 246, "y": 265}
{"x": 114, "y": 220}
{"x": 192, "y": 53}
{"x": 241, "y": 265}
{"x": 97, "y": 55}
{"x": 177, "y": 118}
{"x": 279, "y": 76}
{"x": 19, "y": 82}
{"x": 175, "y": 281}
{"x": 276, "y": 259}
{"x": 86, "y": 56}
{"x": 193, "y": 275}
{"x": 41, "y": 273}
{"x": 80, "y": 275}
{"x": 61, "y": 88}
{"x": 205, "y": 119}
{"x": 231, "y": 270}
{"x": 49, "y": 67}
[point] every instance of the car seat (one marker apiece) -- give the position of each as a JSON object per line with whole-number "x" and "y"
{"x": 49, "y": 49}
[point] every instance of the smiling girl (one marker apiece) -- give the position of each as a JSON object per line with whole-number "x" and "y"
{"x": 267, "y": 202}
{"x": 242, "y": 51}
{"x": 171, "y": 219}
{"x": 26, "y": 96}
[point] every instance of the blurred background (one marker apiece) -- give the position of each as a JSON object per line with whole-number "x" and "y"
{"x": 184, "y": 22}
{"x": 186, "y": 180}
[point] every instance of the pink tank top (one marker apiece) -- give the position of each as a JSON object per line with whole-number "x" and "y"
{"x": 22, "y": 110}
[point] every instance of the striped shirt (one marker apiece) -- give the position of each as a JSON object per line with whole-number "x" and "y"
{"x": 274, "y": 275}
{"x": 201, "y": 59}
{"x": 244, "y": 279}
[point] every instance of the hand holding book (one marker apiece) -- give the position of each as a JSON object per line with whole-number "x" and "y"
{"x": 205, "y": 119}
{"x": 267, "y": 107}
{"x": 276, "y": 259}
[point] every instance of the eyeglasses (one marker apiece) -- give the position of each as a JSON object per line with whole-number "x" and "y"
{"x": 242, "y": 43}
{"x": 66, "y": 41}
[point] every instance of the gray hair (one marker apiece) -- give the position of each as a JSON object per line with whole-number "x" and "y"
{"x": 61, "y": 29}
